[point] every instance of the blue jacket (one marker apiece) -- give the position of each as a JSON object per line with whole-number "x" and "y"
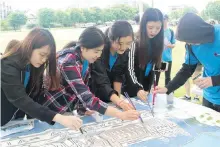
{"x": 206, "y": 55}
{"x": 193, "y": 30}
{"x": 167, "y": 52}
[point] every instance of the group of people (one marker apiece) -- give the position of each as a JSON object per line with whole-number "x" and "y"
{"x": 85, "y": 75}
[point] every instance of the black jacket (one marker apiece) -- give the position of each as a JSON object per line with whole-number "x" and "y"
{"x": 13, "y": 90}
{"x": 102, "y": 78}
{"x": 113, "y": 77}
{"x": 134, "y": 75}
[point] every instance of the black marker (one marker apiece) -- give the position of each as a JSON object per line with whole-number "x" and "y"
{"x": 129, "y": 99}
{"x": 196, "y": 77}
{"x": 81, "y": 130}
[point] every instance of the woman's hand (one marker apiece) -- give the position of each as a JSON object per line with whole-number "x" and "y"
{"x": 71, "y": 122}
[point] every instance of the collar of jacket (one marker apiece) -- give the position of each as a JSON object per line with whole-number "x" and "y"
{"x": 73, "y": 50}
{"x": 16, "y": 60}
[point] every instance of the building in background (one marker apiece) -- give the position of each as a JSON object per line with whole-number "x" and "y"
{"x": 5, "y": 9}
{"x": 176, "y": 7}
{"x": 31, "y": 17}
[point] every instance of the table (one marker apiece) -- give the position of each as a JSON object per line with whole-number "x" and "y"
{"x": 180, "y": 124}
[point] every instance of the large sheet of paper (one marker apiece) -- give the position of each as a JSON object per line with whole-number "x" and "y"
{"x": 16, "y": 126}
{"x": 181, "y": 124}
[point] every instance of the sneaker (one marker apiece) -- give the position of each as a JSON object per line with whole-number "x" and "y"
{"x": 187, "y": 98}
{"x": 196, "y": 99}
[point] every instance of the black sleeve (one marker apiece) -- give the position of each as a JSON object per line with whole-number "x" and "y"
{"x": 216, "y": 80}
{"x": 15, "y": 92}
{"x": 101, "y": 80}
{"x": 181, "y": 77}
{"x": 131, "y": 76}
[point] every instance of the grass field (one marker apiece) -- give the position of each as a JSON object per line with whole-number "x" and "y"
{"x": 63, "y": 36}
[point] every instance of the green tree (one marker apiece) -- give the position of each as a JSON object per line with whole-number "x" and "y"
{"x": 4, "y": 25}
{"x": 204, "y": 15}
{"x": 189, "y": 9}
{"x": 145, "y": 6}
{"x": 175, "y": 14}
{"x": 17, "y": 19}
{"x": 46, "y": 17}
{"x": 89, "y": 15}
{"x": 124, "y": 12}
{"x": 181, "y": 12}
{"x": 213, "y": 10}
{"x": 117, "y": 12}
{"x": 62, "y": 18}
{"x": 107, "y": 15}
{"x": 98, "y": 14}
{"x": 76, "y": 15}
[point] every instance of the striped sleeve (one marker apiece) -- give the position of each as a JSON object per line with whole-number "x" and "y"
{"x": 131, "y": 63}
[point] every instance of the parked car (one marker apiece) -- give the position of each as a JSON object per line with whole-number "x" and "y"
{"x": 90, "y": 24}
{"x": 132, "y": 22}
{"x": 108, "y": 23}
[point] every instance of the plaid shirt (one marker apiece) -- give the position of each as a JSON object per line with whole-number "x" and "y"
{"x": 73, "y": 88}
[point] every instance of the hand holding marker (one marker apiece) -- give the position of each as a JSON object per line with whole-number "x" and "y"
{"x": 129, "y": 99}
{"x": 75, "y": 113}
{"x": 196, "y": 77}
{"x": 151, "y": 109}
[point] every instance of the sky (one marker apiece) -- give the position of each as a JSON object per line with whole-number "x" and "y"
{"x": 34, "y": 5}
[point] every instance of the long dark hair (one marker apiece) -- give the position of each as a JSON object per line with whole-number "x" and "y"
{"x": 36, "y": 39}
{"x": 120, "y": 28}
{"x": 156, "y": 43}
{"x": 70, "y": 44}
{"x": 91, "y": 37}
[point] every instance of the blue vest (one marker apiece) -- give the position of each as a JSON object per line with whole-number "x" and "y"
{"x": 85, "y": 67}
{"x": 27, "y": 75}
{"x": 148, "y": 68}
{"x": 149, "y": 65}
{"x": 167, "y": 52}
{"x": 112, "y": 60}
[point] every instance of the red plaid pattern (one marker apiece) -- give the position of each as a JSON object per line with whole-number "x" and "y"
{"x": 73, "y": 88}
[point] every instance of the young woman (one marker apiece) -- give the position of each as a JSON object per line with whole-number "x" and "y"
{"x": 73, "y": 66}
{"x": 144, "y": 54}
{"x": 169, "y": 44}
{"x": 22, "y": 72}
{"x": 107, "y": 87}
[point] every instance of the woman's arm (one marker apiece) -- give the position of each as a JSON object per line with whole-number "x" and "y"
{"x": 101, "y": 80}
{"x": 117, "y": 87}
